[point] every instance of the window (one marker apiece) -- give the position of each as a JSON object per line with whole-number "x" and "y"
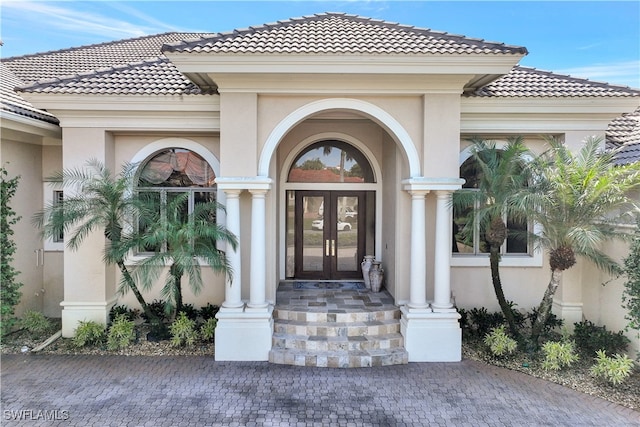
{"x": 331, "y": 161}
{"x": 57, "y": 199}
{"x": 469, "y": 235}
{"x": 176, "y": 181}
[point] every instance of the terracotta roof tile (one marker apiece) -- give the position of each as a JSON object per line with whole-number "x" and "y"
{"x": 14, "y": 103}
{"x": 339, "y": 33}
{"x": 623, "y": 134}
{"x": 72, "y": 61}
{"x": 531, "y": 83}
{"x": 153, "y": 77}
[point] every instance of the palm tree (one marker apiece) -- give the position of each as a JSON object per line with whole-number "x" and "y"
{"x": 99, "y": 201}
{"x": 181, "y": 241}
{"x": 577, "y": 199}
{"x": 500, "y": 174}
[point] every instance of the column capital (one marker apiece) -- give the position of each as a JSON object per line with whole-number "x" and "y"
{"x": 244, "y": 183}
{"x": 426, "y": 184}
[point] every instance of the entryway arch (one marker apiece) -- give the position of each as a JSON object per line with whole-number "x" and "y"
{"x": 377, "y": 114}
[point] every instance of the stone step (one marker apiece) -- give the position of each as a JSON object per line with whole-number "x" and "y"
{"x": 339, "y": 359}
{"x": 338, "y": 343}
{"x": 337, "y": 329}
{"x": 385, "y": 313}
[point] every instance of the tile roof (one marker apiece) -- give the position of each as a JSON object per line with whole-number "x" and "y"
{"x": 154, "y": 77}
{"x": 339, "y": 33}
{"x": 532, "y": 83}
{"x": 14, "y": 103}
{"x": 72, "y": 61}
{"x": 623, "y": 134}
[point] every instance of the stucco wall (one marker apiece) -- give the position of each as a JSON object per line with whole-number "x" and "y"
{"x": 24, "y": 160}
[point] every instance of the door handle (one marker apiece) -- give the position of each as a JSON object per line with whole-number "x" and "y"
{"x": 333, "y": 248}
{"x": 326, "y": 248}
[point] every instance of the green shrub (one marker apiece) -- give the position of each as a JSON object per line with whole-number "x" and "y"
{"x": 615, "y": 370}
{"x": 89, "y": 333}
{"x": 208, "y": 329}
{"x": 590, "y": 338}
{"x": 9, "y": 287}
{"x": 183, "y": 331}
{"x": 122, "y": 333}
{"x": 35, "y": 322}
{"x": 500, "y": 344}
{"x": 631, "y": 293}
{"x": 482, "y": 322}
{"x": 209, "y": 311}
{"x": 190, "y": 311}
{"x": 558, "y": 355}
{"x": 123, "y": 310}
{"x": 157, "y": 307}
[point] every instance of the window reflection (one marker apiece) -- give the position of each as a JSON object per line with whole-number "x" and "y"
{"x": 331, "y": 161}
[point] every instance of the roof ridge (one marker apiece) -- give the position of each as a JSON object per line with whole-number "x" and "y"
{"x": 93, "y": 73}
{"x": 577, "y": 79}
{"x": 94, "y": 45}
{"x": 327, "y": 15}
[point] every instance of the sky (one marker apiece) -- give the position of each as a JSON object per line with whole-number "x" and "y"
{"x": 599, "y": 40}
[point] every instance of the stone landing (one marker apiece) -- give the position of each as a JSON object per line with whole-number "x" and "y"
{"x": 336, "y": 328}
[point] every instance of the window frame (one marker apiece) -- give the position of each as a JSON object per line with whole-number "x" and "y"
{"x": 154, "y": 148}
{"x": 533, "y": 257}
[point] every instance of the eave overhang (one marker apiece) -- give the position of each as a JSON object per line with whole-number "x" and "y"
{"x": 198, "y": 113}
{"x": 215, "y": 70}
{"x": 541, "y": 115}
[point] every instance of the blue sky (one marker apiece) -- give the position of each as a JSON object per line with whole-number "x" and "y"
{"x": 592, "y": 39}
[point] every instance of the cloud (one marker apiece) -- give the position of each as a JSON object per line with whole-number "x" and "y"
{"x": 625, "y": 73}
{"x": 71, "y": 18}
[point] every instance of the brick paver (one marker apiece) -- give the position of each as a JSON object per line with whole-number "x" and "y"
{"x": 197, "y": 391}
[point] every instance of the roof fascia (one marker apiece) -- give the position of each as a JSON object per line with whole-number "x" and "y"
{"x": 134, "y": 112}
{"x": 30, "y": 125}
{"x": 346, "y": 84}
{"x": 341, "y": 64}
{"x": 538, "y": 116}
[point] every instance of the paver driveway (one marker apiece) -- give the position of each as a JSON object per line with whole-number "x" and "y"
{"x": 197, "y": 391}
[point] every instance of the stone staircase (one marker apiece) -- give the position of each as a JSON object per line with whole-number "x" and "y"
{"x": 336, "y": 328}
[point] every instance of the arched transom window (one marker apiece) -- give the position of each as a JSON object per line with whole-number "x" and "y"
{"x": 176, "y": 174}
{"x": 331, "y": 161}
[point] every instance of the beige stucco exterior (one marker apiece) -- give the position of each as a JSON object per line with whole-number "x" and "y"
{"x": 408, "y": 117}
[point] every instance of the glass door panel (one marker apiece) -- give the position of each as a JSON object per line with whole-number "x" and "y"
{"x": 346, "y": 233}
{"x": 329, "y": 237}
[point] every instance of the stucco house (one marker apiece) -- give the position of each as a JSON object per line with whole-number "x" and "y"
{"x": 351, "y": 128}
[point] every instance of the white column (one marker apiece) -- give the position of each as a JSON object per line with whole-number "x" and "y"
{"x": 233, "y": 285}
{"x": 258, "y": 247}
{"x": 442, "y": 266}
{"x": 418, "y": 278}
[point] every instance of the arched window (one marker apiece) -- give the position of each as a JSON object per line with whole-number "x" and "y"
{"x": 472, "y": 242}
{"x": 176, "y": 175}
{"x": 331, "y": 161}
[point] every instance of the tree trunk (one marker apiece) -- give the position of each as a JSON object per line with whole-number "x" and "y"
{"x": 177, "y": 272}
{"x": 153, "y": 319}
{"x": 544, "y": 310}
{"x": 494, "y": 258}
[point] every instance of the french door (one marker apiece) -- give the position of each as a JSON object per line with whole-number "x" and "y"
{"x": 329, "y": 234}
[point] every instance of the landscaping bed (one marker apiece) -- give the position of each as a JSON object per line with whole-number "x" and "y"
{"x": 577, "y": 377}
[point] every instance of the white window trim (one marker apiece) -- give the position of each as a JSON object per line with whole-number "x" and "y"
{"x": 197, "y": 148}
{"x": 506, "y": 260}
{"x": 48, "y": 192}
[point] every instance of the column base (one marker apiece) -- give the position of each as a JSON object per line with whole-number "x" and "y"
{"x": 244, "y": 336}
{"x": 74, "y": 312}
{"x": 570, "y": 312}
{"x": 430, "y": 336}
